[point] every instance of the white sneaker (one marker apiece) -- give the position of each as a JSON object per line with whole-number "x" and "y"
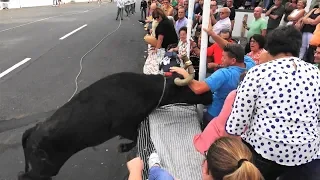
{"x": 153, "y": 160}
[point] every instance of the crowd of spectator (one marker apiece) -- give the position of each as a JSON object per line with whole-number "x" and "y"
{"x": 273, "y": 81}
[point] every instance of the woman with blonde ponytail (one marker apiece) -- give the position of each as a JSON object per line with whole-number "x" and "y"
{"x": 229, "y": 159}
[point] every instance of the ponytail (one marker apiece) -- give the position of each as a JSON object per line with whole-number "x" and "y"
{"x": 229, "y": 159}
{"x": 247, "y": 171}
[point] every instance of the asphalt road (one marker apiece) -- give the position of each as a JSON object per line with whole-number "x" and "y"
{"x": 34, "y": 90}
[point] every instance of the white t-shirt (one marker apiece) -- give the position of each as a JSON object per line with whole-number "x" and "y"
{"x": 220, "y": 25}
{"x": 120, "y": 3}
{"x": 294, "y": 13}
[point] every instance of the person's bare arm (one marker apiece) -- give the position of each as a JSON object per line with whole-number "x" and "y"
{"x": 232, "y": 24}
{"x": 170, "y": 12}
{"x": 198, "y": 87}
{"x": 213, "y": 19}
{"x": 135, "y": 176}
{"x": 313, "y": 21}
{"x": 217, "y": 39}
{"x": 297, "y": 17}
{"x": 306, "y": 17}
{"x": 135, "y": 167}
{"x": 160, "y": 40}
{"x": 269, "y": 11}
{"x": 264, "y": 32}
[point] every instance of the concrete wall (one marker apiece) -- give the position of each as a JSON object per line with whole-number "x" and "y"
{"x": 238, "y": 22}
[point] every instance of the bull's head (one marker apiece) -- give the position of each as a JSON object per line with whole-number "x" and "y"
{"x": 171, "y": 60}
{"x": 187, "y": 65}
{"x": 177, "y": 89}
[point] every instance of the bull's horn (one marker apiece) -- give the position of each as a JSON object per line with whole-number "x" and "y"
{"x": 186, "y": 81}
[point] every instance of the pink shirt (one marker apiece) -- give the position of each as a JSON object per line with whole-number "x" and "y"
{"x": 256, "y": 56}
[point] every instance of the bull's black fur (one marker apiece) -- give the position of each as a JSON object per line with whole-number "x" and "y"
{"x": 114, "y": 105}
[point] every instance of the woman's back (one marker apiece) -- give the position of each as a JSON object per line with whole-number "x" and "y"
{"x": 166, "y": 28}
{"x": 283, "y": 125}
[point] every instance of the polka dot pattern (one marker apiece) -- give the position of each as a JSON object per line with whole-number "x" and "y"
{"x": 279, "y": 103}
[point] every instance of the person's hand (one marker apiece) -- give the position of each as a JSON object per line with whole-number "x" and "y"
{"x": 212, "y": 65}
{"x": 205, "y": 171}
{"x": 192, "y": 43}
{"x": 179, "y": 70}
{"x": 209, "y": 31}
{"x": 170, "y": 50}
{"x": 135, "y": 165}
{"x": 197, "y": 16}
{"x": 155, "y": 50}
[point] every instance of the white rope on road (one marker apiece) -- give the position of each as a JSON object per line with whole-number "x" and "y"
{"x": 81, "y": 60}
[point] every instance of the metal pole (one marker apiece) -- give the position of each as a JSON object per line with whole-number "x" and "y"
{"x": 204, "y": 40}
{"x": 189, "y": 25}
{"x": 203, "y": 49}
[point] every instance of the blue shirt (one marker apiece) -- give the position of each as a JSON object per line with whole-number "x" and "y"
{"x": 223, "y": 81}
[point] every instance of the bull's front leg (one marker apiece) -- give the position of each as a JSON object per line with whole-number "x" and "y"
{"x": 131, "y": 134}
{"x": 31, "y": 176}
{"x": 126, "y": 147}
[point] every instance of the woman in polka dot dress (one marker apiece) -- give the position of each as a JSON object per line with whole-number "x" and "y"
{"x": 279, "y": 104}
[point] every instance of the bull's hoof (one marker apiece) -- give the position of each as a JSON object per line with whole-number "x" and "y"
{"x": 25, "y": 176}
{"x": 122, "y": 148}
{"x": 21, "y": 176}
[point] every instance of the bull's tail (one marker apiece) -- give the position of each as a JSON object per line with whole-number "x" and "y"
{"x": 25, "y": 137}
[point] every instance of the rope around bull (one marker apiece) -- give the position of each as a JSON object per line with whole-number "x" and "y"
{"x": 81, "y": 60}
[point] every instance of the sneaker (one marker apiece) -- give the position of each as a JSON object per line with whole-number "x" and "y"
{"x": 153, "y": 160}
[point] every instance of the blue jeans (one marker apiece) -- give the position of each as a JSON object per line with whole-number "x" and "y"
{"x": 266, "y": 4}
{"x": 157, "y": 173}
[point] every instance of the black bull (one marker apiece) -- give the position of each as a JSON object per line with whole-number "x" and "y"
{"x": 114, "y": 105}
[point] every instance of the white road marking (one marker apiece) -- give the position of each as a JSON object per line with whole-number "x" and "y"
{"x": 72, "y": 32}
{"x": 14, "y": 67}
{"x": 46, "y": 19}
